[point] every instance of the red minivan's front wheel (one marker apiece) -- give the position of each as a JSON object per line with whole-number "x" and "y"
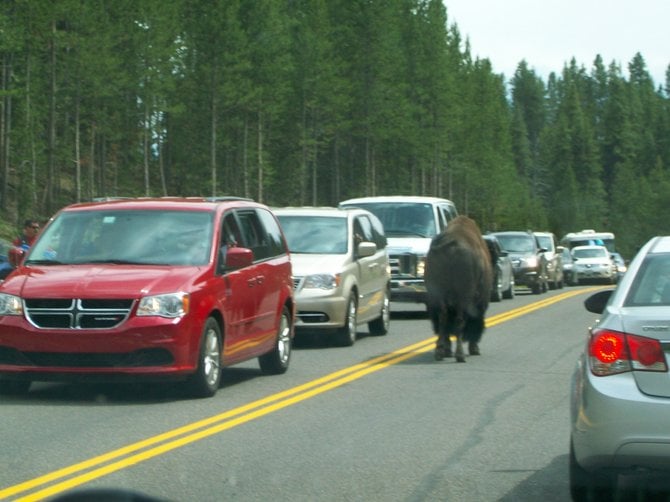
{"x": 207, "y": 378}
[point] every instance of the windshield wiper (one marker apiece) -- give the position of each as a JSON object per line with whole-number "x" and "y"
{"x": 404, "y": 233}
{"x": 114, "y": 261}
{"x": 43, "y": 262}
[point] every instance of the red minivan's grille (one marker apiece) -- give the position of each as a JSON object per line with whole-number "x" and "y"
{"x": 73, "y": 313}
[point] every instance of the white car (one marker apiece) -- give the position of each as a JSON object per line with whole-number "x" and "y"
{"x": 410, "y": 223}
{"x": 341, "y": 271}
{"x": 593, "y": 263}
{"x": 620, "y": 392}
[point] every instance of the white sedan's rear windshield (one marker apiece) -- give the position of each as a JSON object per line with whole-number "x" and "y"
{"x": 652, "y": 283}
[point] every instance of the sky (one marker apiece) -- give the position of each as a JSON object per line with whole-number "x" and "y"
{"x": 549, "y": 33}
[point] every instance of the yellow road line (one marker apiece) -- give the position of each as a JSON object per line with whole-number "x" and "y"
{"x": 378, "y": 362}
{"x": 201, "y": 429}
{"x": 526, "y": 309}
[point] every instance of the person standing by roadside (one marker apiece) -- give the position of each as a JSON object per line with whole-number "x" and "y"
{"x": 23, "y": 242}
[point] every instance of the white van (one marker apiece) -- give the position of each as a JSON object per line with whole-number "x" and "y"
{"x": 410, "y": 223}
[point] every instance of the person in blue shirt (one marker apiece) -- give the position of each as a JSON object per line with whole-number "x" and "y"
{"x": 23, "y": 242}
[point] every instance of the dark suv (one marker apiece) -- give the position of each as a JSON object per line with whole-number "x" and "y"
{"x": 528, "y": 259}
{"x": 503, "y": 270}
{"x": 149, "y": 288}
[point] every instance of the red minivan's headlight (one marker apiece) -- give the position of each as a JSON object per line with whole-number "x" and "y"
{"x": 168, "y": 305}
{"x": 10, "y": 305}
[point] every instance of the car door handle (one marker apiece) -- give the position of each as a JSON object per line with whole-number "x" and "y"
{"x": 255, "y": 281}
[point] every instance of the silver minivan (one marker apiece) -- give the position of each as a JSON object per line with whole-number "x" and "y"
{"x": 341, "y": 271}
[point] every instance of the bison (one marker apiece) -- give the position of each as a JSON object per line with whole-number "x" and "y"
{"x": 458, "y": 281}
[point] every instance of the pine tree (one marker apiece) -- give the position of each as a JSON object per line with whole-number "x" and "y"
{"x": 266, "y": 24}
{"x": 529, "y": 109}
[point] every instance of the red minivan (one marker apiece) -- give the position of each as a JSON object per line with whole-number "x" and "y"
{"x": 165, "y": 288}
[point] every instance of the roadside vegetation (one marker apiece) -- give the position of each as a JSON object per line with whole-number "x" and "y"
{"x": 309, "y": 102}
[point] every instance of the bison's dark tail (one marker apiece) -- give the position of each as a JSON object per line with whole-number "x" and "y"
{"x": 473, "y": 329}
{"x": 451, "y": 324}
{"x": 434, "y": 315}
{"x": 445, "y": 320}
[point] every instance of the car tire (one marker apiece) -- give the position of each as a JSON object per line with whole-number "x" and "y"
{"x": 497, "y": 291}
{"x": 207, "y": 378}
{"x": 380, "y": 326}
{"x": 585, "y": 485}
{"x": 346, "y": 335}
{"x": 552, "y": 284}
{"x": 536, "y": 288}
{"x": 509, "y": 294}
{"x": 579, "y": 479}
{"x": 277, "y": 360}
{"x": 14, "y": 387}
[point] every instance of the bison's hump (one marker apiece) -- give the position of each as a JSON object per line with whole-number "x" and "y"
{"x": 458, "y": 267}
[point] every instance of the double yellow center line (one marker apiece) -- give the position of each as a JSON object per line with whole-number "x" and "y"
{"x": 97, "y": 467}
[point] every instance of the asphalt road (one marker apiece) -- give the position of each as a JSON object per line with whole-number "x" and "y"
{"x": 379, "y": 421}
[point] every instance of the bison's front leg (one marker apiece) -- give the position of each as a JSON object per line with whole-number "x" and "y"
{"x": 472, "y": 331}
{"x": 439, "y": 348}
{"x": 460, "y": 354}
{"x": 443, "y": 344}
{"x": 442, "y": 347}
{"x": 459, "y": 325}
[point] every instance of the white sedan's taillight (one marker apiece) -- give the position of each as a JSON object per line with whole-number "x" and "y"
{"x": 612, "y": 352}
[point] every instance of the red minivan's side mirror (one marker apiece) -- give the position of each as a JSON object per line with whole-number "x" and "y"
{"x": 239, "y": 257}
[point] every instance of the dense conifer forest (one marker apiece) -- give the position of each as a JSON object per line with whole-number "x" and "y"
{"x": 309, "y": 102}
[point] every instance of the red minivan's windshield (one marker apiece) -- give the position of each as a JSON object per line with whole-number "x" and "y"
{"x": 145, "y": 237}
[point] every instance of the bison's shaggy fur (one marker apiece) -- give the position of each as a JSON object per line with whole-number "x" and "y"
{"x": 458, "y": 282}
